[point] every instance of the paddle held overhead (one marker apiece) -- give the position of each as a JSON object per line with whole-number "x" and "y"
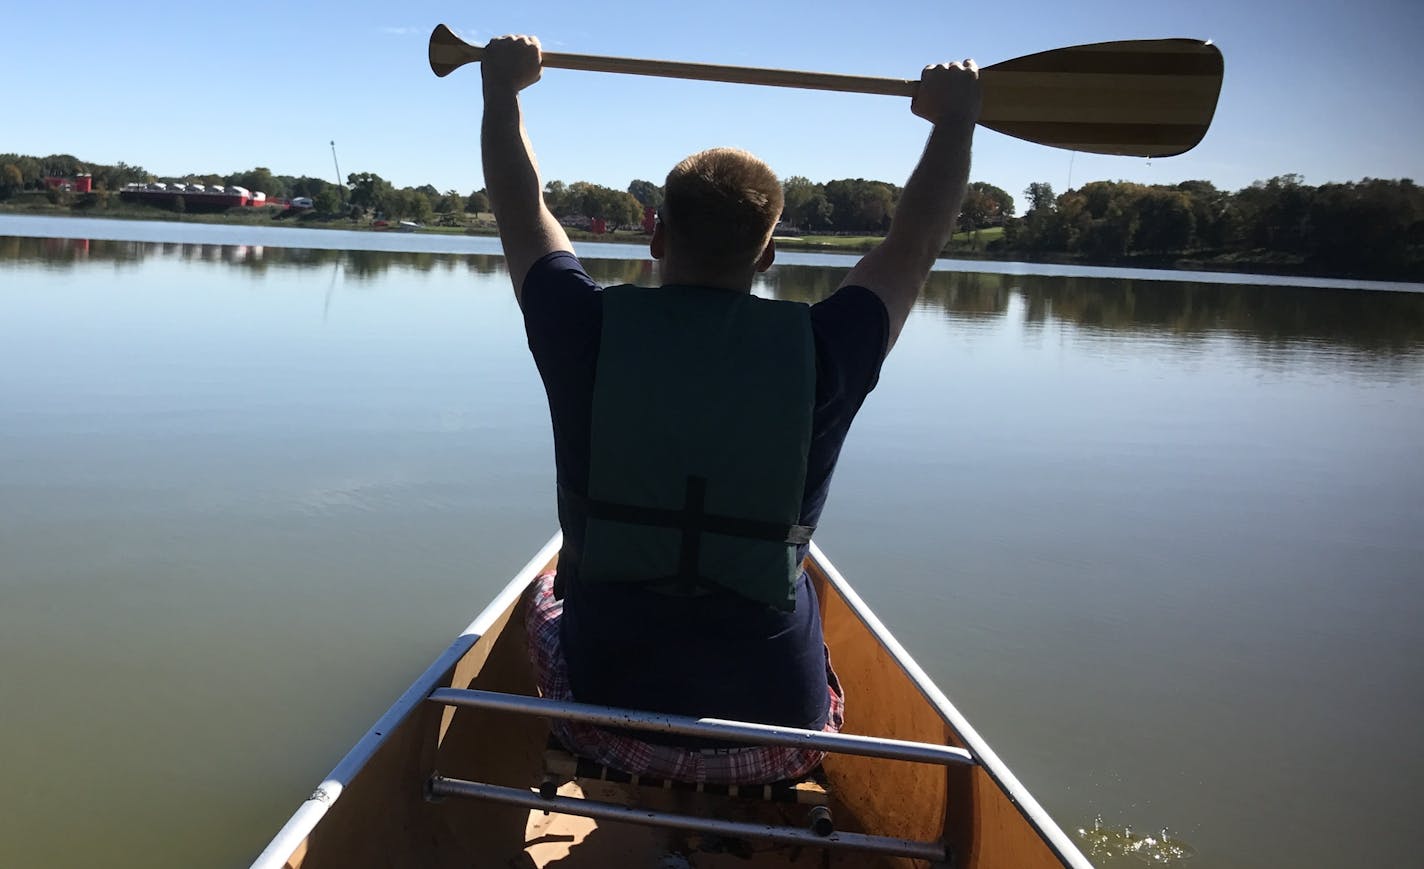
{"x": 1136, "y": 98}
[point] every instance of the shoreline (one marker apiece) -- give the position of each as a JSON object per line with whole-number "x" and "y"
{"x": 1263, "y": 263}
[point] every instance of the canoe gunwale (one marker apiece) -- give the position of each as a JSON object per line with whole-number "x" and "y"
{"x": 289, "y": 846}
{"x": 300, "y": 825}
{"x": 977, "y": 746}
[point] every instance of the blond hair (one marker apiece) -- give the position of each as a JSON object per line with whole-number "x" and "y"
{"x": 720, "y": 207}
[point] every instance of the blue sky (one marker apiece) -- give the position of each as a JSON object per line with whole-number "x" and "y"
{"x": 1332, "y": 91}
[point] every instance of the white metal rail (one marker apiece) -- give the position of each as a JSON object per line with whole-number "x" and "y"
{"x": 743, "y": 732}
{"x": 747, "y": 733}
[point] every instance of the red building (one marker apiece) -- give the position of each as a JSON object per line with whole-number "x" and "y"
{"x": 81, "y": 183}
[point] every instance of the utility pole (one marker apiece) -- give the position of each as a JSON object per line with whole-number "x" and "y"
{"x": 341, "y": 188}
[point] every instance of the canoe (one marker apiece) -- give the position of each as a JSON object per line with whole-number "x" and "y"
{"x": 451, "y": 774}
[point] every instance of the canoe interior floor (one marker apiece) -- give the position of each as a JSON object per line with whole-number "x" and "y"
{"x": 569, "y": 841}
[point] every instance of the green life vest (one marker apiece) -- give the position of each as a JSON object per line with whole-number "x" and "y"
{"x": 701, "y": 427}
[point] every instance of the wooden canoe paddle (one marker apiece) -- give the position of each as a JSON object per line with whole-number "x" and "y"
{"x": 1138, "y": 98}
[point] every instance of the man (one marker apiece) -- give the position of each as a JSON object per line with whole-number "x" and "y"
{"x": 696, "y": 428}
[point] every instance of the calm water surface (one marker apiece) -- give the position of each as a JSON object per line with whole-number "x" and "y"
{"x": 1162, "y": 541}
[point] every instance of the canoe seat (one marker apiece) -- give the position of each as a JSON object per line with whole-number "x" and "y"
{"x": 561, "y": 766}
{"x": 614, "y": 796}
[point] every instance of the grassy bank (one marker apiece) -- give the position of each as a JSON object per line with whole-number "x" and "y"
{"x": 102, "y": 205}
{"x": 960, "y": 243}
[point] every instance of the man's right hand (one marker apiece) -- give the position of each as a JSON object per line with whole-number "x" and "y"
{"x": 948, "y": 94}
{"x": 949, "y": 98}
{"x": 512, "y": 62}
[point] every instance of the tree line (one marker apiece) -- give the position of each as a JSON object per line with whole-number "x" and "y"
{"x": 1373, "y": 226}
{"x": 844, "y": 205}
{"x": 23, "y": 172}
{"x": 859, "y": 205}
{"x": 363, "y": 192}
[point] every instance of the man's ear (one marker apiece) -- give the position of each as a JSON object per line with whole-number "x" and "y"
{"x": 767, "y": 257}
{"x": 657, "y": 246}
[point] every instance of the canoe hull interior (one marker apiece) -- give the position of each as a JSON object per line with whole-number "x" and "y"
{"x": 380, "y": 816}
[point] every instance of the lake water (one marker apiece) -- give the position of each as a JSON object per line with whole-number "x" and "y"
{"x": 1162, "y": 540}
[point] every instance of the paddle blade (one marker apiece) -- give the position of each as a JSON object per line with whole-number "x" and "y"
{"x": 449, "y": 52}
{"x": 1139, "y": 98}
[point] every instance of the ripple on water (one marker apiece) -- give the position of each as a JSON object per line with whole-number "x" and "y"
{"x": 1160, "y": 849}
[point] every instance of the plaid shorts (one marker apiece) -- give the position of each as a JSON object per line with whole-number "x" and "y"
{"x": 756, "y": 765}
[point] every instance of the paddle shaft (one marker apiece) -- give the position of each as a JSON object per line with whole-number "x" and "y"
{"x": 787, "y": 78}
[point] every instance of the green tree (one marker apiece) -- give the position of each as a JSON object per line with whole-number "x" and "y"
{"x": 556, "y": 198}
{"x": 805, "y": 204}
{"x": 1042, "y": 226}
{"x": 624, "y": 209}
{"x": 1275, "y": 213}
{"x": 1040, "y": 197}
{"x": 409, "y": 203}
{"x": 1100, "y": 196}
{"x": 1366, "y": 225}
{"x": 617, "y": 207}
{"x": 370, "y": 191}
{"x": 985, "y": 205}
{"x": 450, "y": 203}
{"x": 60, "y": 166}
{"x": 432, "y": 201}
{"x": 29, "y": 168}
{"x": 815, "y": 213}
{"x": 1164, "y": 221}
{"x": 861, "y": 205}
{"x": 1211, "y": 212}
{"x": 303, "y": 186}
{"x": 1109, "y": 236}
{"x": 11, "y": 180}
{"x": 648, "y": 194}
{"x": 116, "y": 176}
{"x": 477, "y": 202}
{"x": 327, "y": 200}
{"x": 261, "y": 179}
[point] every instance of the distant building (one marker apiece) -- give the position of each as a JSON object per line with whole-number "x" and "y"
{"x": 81, "y": 183}
{"x": 196, "y": 197}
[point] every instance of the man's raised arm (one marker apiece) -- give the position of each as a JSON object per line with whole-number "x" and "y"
{"x": 526, "y": 228}
{"x": 896, "y": 269}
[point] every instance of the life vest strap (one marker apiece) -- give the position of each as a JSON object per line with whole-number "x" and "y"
{"x": 689, "y": 519}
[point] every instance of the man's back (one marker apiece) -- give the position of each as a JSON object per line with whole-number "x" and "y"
{"x": 716, "y": 653}
{"x": 714, "y": 230}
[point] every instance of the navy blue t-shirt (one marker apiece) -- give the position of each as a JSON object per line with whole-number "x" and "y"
{"x": 717, "y": 655}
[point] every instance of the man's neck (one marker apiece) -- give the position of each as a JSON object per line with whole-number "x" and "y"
{"x": 737, "y": 283}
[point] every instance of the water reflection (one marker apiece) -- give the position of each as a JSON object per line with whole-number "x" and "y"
{"x": 1378, "y": 322}
{"x": 1354, "y": 319}
{"x": 358, "y": 264}
{"x": 1173, "y": 513}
